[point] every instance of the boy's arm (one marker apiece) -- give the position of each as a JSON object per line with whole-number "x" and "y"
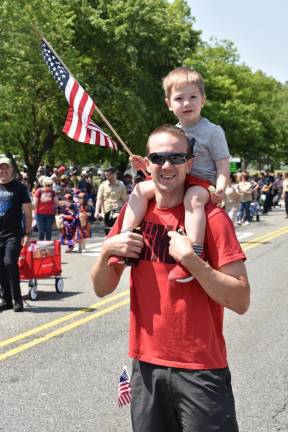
{"x": 138, "y": 163}
{"x": 223, "y": 174}
{"x": 222, "y": 168}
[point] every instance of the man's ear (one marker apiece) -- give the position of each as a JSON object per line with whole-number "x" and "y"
{"x": 167, "y": 101}
{"x": 189, "y": 166}
{"x": 147, "y": 162}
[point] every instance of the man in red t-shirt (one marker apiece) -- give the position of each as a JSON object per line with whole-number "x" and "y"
{"x": 180, "y": 379}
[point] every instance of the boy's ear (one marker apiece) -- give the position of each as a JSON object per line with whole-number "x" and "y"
{"x": 203, "y": 101}
{"x": 168, "y": 103}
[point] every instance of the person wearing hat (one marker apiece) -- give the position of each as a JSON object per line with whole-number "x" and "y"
{"x": 111, "y": 196}
{"x": 14, "y": 201}
{"x": 45, "y": 203}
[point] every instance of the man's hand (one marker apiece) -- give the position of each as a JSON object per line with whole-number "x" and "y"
{"x": 98, "y": 216}
{"x": 180, "y": 247}
{"x": 127, "y": 244}
{"x": 25, "y": 240}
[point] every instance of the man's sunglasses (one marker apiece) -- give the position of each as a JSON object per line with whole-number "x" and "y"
{"x": 173, "y": 158}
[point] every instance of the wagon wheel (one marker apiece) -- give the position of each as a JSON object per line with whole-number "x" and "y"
{"x": 33, "y": 289}
{"x": 59, "y": 284}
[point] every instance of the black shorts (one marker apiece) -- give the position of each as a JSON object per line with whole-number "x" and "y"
{"x": 181, "y": 400}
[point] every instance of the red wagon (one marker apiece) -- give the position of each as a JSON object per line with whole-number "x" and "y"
{"x": 41, "y": 260}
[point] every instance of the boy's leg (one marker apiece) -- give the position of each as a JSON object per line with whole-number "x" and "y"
{"x": 196, "y": 197}
{"x": 135, "y": 211}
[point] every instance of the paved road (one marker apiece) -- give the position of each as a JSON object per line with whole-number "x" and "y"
{"x": 60, "y": 360}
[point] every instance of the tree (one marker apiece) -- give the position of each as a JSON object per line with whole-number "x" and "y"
{"x": 237, "y": 100}
{"x": 118, "y": 50}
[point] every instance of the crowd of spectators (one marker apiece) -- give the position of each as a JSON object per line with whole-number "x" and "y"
{"x": 249, "y": 196}
{"x": 66, "y": 196}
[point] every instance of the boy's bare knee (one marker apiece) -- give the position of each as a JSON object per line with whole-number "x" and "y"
{"x": 196, "y": 197}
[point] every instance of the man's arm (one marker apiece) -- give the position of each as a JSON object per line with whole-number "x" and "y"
{"x": 105, "y": 278}
{"x": 227, "y": 286}
{"x": 27, "y": 209}
{"x": 99, "y": 202}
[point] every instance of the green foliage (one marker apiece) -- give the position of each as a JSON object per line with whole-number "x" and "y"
{"x": 119, "y": 50}
{"x": 249, "y": 106}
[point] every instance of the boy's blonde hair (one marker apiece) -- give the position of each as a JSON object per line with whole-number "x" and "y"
{"x": 182, "y": 76}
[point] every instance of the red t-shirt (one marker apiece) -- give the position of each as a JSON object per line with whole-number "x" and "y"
{"x": 45, "y": 201}
{"x": 173, "y": 324}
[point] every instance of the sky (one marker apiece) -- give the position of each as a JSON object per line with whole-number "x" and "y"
{"x": 258, "y": 29}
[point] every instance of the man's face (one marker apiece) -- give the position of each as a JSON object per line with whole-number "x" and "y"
{"x": 6, "y": 173}
{"x": 186, "y": 103}
{"x": 110, "y": 175}
{"x": 168, "y": 178}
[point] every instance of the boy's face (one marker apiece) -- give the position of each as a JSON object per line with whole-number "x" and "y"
{"x": 186, "y": 103}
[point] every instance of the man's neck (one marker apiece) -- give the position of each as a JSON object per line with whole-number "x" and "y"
{"x": 7, "y": 181}
{"x": 168, "y": 200}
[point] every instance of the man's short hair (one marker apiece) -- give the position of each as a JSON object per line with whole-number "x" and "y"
{"x": 182, "y": 76}
{"x": 170, "y": 129}
{"x": 110, "y": 169}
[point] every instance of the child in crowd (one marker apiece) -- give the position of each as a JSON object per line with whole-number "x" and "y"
{"x": 84, "y": 228}
{"x": 185, "y": 96}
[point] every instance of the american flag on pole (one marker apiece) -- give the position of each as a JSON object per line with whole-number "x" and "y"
{"x": 124, "y": 388}
{"x": 78, "y": 125}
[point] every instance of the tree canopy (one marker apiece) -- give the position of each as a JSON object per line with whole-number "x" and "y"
{"x": 119, "y": 51}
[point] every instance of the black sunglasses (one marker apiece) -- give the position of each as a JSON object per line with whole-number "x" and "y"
{"x": 173, "y": 158}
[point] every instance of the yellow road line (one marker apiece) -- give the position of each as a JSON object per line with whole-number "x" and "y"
{"x": 62, "y": 330}
{"x": 264, "y": 238}
{"x": 247, "y": 245}
{"x": 53, "y": 323}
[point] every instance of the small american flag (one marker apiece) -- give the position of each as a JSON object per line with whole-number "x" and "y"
{"x": 78, "y": 125}
{"x": 124, "y": 388}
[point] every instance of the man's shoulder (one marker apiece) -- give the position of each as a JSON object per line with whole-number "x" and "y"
{"x": 213, "y": 211}
{"x": 16, "y": 185}
{"x": 120, "y": 184}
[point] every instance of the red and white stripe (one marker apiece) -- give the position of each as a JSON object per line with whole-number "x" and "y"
{"x": 81, "y": 102}
{"x": 92, "y": 134}
{"x": 124, "y": 393}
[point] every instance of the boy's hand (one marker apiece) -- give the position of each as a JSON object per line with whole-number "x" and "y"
{"x": 138, "y": 163}
{"x": 217, "y": 195}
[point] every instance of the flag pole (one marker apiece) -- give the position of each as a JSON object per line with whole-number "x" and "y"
{"x": 113, "y": 130}
{"x": 41, "y": 36}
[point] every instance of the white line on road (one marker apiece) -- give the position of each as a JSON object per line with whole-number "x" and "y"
{"x": 242, "y": 235}
{"x": 93, "y": 249}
